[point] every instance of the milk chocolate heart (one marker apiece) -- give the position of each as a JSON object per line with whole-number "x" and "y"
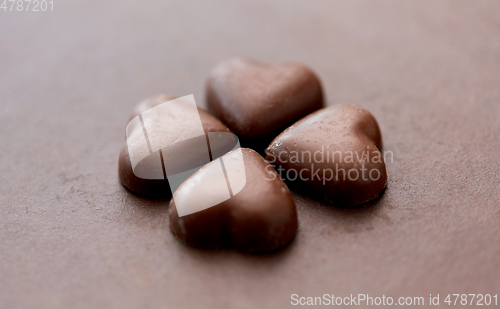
{"x": 179, "y": 132}
{"x": 332, "y": 155}
{"x": 236, "y": 201}
{"x": 257, "y": 101}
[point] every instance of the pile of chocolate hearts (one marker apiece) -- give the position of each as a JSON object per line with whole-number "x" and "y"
{"x": 227, "y": 170}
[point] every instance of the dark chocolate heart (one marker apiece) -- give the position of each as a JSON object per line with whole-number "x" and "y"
{"x": 257, "y": 101}
{"x": 182, "y": 156}
{"x": 332, "y": 155}
{"x": 237, "y": 201}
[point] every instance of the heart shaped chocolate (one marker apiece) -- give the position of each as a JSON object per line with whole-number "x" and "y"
{"x": 257, "y": 101}
{"x": 332, "y": 155}
{"x": 237, "y": 201}
{"x": 181, "y": 126}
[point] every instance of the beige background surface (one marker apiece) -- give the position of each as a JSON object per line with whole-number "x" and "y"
{"x": 73, "y": 237}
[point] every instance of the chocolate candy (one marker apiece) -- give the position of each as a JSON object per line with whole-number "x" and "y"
{"x": 150, "y": 102}
{"x": 236, "y": 201}
{"x": 332, "y": 155}
{"x": 168, "y": 139}
{"x": 257, "y": 101}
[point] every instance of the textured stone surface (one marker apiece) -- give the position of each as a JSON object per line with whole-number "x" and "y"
{"x": 73, "y": 237}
